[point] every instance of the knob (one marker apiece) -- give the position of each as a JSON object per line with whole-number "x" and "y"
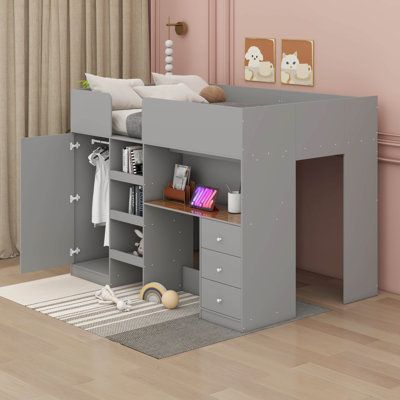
{"x": 219, "y": 301}
{"x": 219, "y": 239}
{"x": 219, "y": 269}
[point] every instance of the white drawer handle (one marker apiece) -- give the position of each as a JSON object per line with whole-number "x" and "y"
{"x": 219, "y": 239}
{"x": 219, "y": 269}
{"x": 219, "y": 301}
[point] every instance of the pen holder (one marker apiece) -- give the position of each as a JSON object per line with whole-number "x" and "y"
{"x": 182, "y": 196}
{"x": 234, "y": 202}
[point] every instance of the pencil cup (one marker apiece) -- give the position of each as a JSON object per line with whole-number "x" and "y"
{"x": 234, "y": 206}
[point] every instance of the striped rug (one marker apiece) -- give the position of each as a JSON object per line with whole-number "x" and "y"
{"x": 84, "y": 311}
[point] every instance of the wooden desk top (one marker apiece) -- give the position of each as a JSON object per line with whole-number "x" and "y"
{"x": 220, "y": 215}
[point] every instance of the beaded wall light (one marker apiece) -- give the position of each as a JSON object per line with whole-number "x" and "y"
{"x": 181, "y": 29}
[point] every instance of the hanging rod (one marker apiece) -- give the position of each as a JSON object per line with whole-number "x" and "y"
{"x": 100, "y": 141}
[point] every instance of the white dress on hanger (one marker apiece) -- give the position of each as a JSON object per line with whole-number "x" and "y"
{"x": 101, "y": 198}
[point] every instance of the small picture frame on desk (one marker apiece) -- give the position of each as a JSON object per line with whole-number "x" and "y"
{"x": 181, "y": 176}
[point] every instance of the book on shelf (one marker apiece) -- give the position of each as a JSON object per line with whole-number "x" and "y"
{"x": 130, "y": 200}
{"x": 124, "y": 161}
{"x": 132, "y": 159}
{"x": 135, "y": 206}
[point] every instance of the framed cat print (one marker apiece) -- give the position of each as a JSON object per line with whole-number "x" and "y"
{"x": 297, "y": 62}
{"x": 259, "y": 60}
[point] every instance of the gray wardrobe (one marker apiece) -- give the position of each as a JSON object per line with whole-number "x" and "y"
{"x": 247, "y": 263}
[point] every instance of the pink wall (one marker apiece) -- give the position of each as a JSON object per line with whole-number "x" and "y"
{"x": 356, "y": 53}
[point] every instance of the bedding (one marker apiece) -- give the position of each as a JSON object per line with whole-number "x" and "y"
{"x": 120, "y": 90}
{"x": 127, "y": 123}
{"x": 179, "y": 92}
{"x": 194, "y": 82}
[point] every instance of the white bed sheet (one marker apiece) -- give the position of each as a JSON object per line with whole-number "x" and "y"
{"x": 119, "y": 120}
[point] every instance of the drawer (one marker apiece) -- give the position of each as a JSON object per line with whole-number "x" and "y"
{"x": 221, "y": 237}
{"x": 221, "y": 268}
{"x": 221, "y": 298}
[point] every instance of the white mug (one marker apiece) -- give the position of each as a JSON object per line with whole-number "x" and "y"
{"x": 234, "y": 202}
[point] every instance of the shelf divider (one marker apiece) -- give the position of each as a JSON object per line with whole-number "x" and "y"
{"x": 126, "y": 139}
{"x": 127, "y": 178}
{"x": 126, "y": 258}
{"x": 126, "y": 217}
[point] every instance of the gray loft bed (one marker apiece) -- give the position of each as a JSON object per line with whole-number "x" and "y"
{"x": 266, "y": 132}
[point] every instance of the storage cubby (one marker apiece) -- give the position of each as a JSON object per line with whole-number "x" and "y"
{"x": 119, "y": 198}
{"x": 121, "y": 272}
{"x": 122, "y": 242}
{"x": 96, "y": 270}
{"x": 116, "y": 153}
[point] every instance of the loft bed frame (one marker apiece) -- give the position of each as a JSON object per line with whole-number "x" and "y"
{"x": 255, "y": 140}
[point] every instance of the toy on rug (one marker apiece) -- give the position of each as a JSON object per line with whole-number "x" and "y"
{"x": 139, "y": 251}
{"x": 155, "y": 292}
{"x": 105, "y": 295}
{"x": 152, "y": 292}
{"x": 170, "y": 299}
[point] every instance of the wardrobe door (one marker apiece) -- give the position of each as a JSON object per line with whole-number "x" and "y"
{"x": 47, "y": 216}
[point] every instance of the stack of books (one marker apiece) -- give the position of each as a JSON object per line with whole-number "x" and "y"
{"x": 132, "y": 160}
{"x": 136, "y": 200}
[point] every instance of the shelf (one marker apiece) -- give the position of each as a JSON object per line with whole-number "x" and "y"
{"x": 220, "y": 215}
{"x": 126, "y": 178}
{"x": 126, "y": 139}
{"x": 126, "y": 258}
{"x": 127, "y": 218}
{"x": 93, "y": 270}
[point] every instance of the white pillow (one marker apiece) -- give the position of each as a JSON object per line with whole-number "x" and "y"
{"x": 179, "y": 92}
{"x": 123, "y": 97}
{"x": 195, "y": 82}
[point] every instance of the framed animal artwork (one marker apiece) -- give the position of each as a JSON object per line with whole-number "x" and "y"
{"x": 297, "y": 62}
{"x": 259, "y": 60}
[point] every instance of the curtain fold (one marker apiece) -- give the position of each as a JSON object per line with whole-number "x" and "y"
{"x": 46, "y": 46}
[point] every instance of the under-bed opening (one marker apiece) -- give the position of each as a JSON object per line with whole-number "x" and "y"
{"x": 319, "y": 229}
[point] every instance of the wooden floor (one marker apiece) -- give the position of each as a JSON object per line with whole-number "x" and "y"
{"x": 352, "y": 352}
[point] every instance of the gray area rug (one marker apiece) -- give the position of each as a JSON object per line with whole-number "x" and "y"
{"x": 188, "y": 333}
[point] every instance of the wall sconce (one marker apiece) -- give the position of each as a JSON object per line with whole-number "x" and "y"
{"x": 181, "y": 29}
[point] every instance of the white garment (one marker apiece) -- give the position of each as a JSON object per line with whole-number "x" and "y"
{"x": 101, "y": 199}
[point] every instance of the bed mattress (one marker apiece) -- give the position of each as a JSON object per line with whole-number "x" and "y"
{"x": 127, "y": 123}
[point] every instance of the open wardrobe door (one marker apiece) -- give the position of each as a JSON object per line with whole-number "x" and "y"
{"x": 47, "y": 216}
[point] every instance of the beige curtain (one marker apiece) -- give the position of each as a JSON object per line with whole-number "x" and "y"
{"x": 46, "y": 46}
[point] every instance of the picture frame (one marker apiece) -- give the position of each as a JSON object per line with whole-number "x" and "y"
{"x": 260, "y": 60}
{"x": 297, "y": 62}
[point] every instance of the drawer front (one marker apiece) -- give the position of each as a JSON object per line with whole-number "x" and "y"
{"x": 221, "y": 237}
{"x": 221, "y": 268}
{"x": 221, "y": 298}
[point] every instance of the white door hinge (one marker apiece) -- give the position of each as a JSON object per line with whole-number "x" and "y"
{"x": 77, "y": 250}
{"x": 74, "y": 198}
{"x": 75, "y": 145}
